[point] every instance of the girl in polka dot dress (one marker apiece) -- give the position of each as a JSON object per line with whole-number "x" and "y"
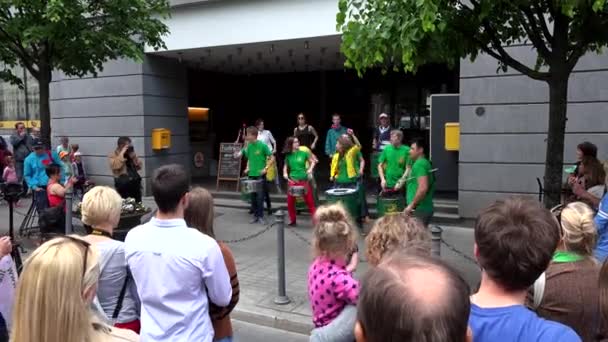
{"x": 332, "y": 290}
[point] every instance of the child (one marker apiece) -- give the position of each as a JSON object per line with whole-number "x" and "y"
{"x": 396, "y": 232}
{"x": 79, "y": 172}
{"x": 332, "y": 290}
{"x": 9, "y": 175}
{"x": 259, "y": 157}
{"x": 75, "y": 148}
{"x": 66, "y": 166}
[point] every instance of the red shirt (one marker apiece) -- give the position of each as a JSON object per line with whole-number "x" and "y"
{"x": 54, "y": 200}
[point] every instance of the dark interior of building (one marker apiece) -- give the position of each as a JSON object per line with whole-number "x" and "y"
{"x": 234, "y": 100}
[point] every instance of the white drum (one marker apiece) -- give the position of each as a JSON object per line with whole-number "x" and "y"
{"x": 340, "y": 192}
{"x": 250, "y": 186}
{"x": 297, "y": 190}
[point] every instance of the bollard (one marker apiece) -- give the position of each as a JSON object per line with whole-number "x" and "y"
{"x": 69, "y": 195}
{"x": 436, "y": 241}
{"x": 281, "y": 298}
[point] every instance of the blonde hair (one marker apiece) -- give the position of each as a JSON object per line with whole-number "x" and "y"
{"x": 335, "y": 234}
{"x": 50, "y": 301}
{"x": 578, "y": 228}
{"x": 395, "y": 232}
{"x": 100, "y": 205}
{"x": 200, "y": 214}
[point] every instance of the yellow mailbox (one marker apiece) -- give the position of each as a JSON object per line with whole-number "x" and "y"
{"x": 161, "y": 138}
{"x": 452, "y": 136}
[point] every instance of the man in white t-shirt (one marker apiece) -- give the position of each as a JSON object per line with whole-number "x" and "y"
{"x": 178, "y": 270}
{"x": 266, "y": 137}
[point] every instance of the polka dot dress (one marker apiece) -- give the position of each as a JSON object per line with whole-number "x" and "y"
{"x": 330, "y": 288}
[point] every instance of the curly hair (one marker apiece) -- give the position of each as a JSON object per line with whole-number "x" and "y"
{"x": 394, "y": 232}
{"x": 335, "y": 234}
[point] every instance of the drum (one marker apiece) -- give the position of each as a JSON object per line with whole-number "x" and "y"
{"x": 349, "y": 199}
{"x": 374, "y": 164}
{"x": 390, "y": 202}
{"x": 245, "y": 196}
{"x": 297, "y": 190}
{"x": 252, "y": 186}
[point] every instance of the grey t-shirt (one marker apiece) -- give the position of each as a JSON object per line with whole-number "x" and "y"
{"x": 113, "y": 273}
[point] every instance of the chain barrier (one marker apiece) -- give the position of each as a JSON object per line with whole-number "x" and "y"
{"x": 458, "y": 252}
{"x": 299, "y": 236}
{"x": 250, "y": 237}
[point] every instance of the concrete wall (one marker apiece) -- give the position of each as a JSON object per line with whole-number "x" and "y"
{"x": 503, "y": 151}
{"x": 126, "y": 99}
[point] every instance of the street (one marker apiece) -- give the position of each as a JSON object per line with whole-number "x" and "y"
{"x": 246, "y": 332}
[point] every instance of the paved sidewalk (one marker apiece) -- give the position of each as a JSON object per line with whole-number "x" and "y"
{"x": 257, "y": 265}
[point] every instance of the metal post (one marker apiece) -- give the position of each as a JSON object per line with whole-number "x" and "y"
{"x": 68, "y": 211}
{"x": 281, "y": 298}
{"x": 436, "y": 241}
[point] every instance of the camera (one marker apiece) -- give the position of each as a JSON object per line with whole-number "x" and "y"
{"x": 129, "y": 151}
{"x": 12, "y": 191}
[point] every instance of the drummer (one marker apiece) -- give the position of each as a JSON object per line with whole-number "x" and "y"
{"x": 259, "y": 159}
{"x": 348, "y": 166}
{"x": 298, "y": 169}
{"x": 393, "y": 163}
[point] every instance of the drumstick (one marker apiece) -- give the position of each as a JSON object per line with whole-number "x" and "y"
{"x": 432, "y": 171}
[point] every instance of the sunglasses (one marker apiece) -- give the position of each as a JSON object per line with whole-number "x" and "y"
{"x": 86, "y": 246}
{"x": 301, "y": 118}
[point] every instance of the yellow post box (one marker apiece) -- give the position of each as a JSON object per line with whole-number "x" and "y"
{"x": 161, "y": 138}
{"x": 452, "y": 136}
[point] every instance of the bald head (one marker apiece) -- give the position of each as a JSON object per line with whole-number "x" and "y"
{"x": 413, "y": 298}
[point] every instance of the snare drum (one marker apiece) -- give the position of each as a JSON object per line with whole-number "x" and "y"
{"x": 349, "y": 199}
{"x": 390, "y": 202}
{"x": 297, "y": 190}
{"x": 251, "y": 186}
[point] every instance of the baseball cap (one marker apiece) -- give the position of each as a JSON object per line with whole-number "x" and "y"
{"x": 383, "y": 115}
{"x": 38, "y": 145}
{"x": 77, "y": 154}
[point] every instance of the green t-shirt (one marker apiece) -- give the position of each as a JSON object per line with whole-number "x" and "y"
{"x": 296, "y": 162}
{"x": 257, "y": 153}
{"x": 342, "y": 177}
{"x": 421, "y": 168}
{"x": 395, "y": 160}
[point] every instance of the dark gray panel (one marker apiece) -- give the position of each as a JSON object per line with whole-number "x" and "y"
{"x": 166, "y": 87}
{"x": 509, "y": 89}
{"x": 470, "y": 204}
{"x": 507, "y": 148}
{"x": 179, "y": 144}
{"x": 444, "y": 108}
{"x": 111, "y": 68}
{"x": 162, "y": 66}
{"x": 165, "y": 106}
{"x": 177, "y": 125}
{"x": 500, "y": 177}
{"x": 100, "y": 106}
{"x": 101, "y": 146}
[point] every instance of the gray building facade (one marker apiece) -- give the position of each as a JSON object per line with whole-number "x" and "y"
{"x": 502, "y": 152}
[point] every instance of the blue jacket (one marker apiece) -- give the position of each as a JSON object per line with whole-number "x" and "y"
{"x": 332, "y": 138}
{"x": 601, "y": 221}
{"x": 34, "y": 169}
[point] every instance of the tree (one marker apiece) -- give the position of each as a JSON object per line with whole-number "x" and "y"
{"x": 76, "y": 37}
{"x": 405, "y": 34}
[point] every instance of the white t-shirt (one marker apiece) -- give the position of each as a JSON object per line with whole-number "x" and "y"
{"x": 266, "y": 137}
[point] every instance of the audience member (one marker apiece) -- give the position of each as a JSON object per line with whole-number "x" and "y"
{"x": 603, "y": 303}
{"x": 584, "y": 149}
{"x": 35, "y": 135}
{"x": 125, "y": 166}
{"x": 200, "y": 215}
{"x": 601, "y": 223}
{"x": 64, "y": 146}
{"x": 413, "y": 298}
{"x": 22, "y": 146}
{"x": 4, "y": 154}
{"x": 568, "y": 290}
{"x": 9, "y": 174}
{"x": 75, "y": 149}
{"x": 55, "y": 292}
{"x": 396, "y": 232}
{"x": 116, "y": 291}
{"x": 177, "y": 269}
{"x": 7, "y": 287}
{"x": 54, "y": 189}
{"x": 332, "y": 289}
{"x": 35, "y": 173}
{"x": 514, "y": 242}
{"x": 66, "y": 165}
{"x": 80, "y": 173}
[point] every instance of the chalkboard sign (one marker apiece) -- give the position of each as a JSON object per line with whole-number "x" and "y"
{"x": 229, "y": 166}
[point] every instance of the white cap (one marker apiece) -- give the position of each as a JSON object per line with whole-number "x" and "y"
{"x": 383, "y": 115}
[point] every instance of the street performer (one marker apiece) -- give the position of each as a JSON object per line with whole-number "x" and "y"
{"x": 259, "y": 159}
{"x": 298, "y": 170}
{"x": 393, "y": 163}
{"x": 347, "y": 168}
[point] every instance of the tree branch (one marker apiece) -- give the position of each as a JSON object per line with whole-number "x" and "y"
{"x": 18, "y": 50}
{"x": 543, "y": 22}
{"x": 502, "y": 55}
{"x": 532, "y": 28}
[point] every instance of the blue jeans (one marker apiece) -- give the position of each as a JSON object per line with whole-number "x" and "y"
{"x": 225, "y": 339}
{"x": 341, "y": 329}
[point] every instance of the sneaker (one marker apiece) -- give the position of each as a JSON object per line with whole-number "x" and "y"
{"x": 292, "y": 224}
{"x": 254, "y": 220}
{"x": 262, "y": 221}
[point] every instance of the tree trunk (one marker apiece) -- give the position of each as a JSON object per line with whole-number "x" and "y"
{"x": 44, "y": 82}
{"x": 558, "y": 105}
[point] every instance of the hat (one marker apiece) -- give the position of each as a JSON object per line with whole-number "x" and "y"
{"x": 63, "y": 154}
{"x": 383, "y": 115}
{"x": 38, "y": 145}
{"x": 77, "y": 154}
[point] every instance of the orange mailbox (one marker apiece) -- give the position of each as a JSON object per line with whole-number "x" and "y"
{"x": 161, "y": 139}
